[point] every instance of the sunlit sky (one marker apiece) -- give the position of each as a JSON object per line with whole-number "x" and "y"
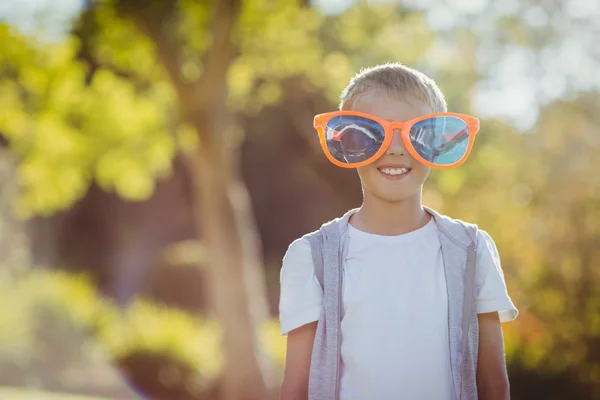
{"x": 516, "y": 83}
{"x": 53, "y": 16}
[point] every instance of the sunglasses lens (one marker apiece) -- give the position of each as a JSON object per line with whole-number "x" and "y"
{"x": 440, "y": 140}
{"x": 352, "y": 139}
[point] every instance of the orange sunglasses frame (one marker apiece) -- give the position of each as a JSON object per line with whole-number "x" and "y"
{"x": 321, "y": 120}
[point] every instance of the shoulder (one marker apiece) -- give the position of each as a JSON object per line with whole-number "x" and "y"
{"x": 487, "y": 247}
{"x": 481, "y": 237}
{"x": 299, "y": 249}
{"x": 485, "y": 238}
{"x": 466, "y": 232}
{"x": 297, "y": 267}
{"x": 302, "y": 247}
{"x": 461, "y": 232}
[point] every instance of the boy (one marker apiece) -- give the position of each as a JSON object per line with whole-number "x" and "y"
{"x": 393, "y": 300}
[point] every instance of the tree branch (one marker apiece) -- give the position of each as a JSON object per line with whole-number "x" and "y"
{"x": 150, "y": 17}
{"x": 220, "y": 54}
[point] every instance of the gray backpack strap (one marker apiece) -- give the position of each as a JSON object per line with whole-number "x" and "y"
{"x": 471, "y": 266}
{"x": 317, "y": 242}
{"x": 316, "y": 247}
{"x": 325, "y": 360}
{"x": 459, "y": 251}
{"x": 468, "y": 388}
{"x": 469, "y": 287}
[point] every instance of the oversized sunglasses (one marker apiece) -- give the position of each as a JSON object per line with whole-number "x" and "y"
{"x": 353, "y": 139}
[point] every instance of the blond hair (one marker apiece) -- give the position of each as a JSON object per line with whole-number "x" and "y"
{"x": 395, "y": 80}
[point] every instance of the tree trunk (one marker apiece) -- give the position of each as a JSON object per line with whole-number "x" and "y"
{"x": 235, "y": 277}
{"x": 236, "y": 283}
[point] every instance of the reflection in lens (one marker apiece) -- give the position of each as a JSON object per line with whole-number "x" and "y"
{"x": 440, "y": 140}
{"x": 352, "y": 139}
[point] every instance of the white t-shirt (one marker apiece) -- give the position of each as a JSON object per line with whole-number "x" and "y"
{"x": 394, "y": 324}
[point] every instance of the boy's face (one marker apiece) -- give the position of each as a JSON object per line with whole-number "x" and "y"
{"x": 383, "y": 178}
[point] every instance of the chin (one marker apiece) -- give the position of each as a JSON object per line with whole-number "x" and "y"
{"x": 397, "y": 192}
{"x": 392, "y": 191}
{"x": 393, "y": 197}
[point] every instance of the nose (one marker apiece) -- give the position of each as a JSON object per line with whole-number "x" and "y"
{"x": 397, "y": 146}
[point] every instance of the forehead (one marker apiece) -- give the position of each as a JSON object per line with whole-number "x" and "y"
{"x": 389, "y": 108}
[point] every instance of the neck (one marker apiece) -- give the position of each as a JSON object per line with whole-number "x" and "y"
{"x": 387, "y": 218}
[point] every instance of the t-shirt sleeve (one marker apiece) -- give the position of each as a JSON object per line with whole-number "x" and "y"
{"x": 301, "y": 296}
{"x": 490, "y": 291}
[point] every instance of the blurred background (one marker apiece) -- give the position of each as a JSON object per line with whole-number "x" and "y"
{"x": 158, "y": 157}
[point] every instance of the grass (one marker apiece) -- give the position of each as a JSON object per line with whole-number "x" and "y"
{"x": 7, "y": 393}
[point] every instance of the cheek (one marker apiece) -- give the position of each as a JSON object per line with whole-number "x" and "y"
{"x": 364, "y": 172}
{"x": 368, "y": 174}
{"x": 422, "y": 171}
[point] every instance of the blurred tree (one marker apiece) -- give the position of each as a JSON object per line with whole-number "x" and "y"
{"x": 75, "y": 112}
{"x": 138, "y": 82}
{"x": 235, "y": 277}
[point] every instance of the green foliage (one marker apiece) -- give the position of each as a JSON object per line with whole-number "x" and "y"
{"x": 146, "y": 327}
{"x": 276, "y": 40}
{"x": 68, "y": 131}
{"x": 28, "y": 394}
{"x": 70, "y": 300}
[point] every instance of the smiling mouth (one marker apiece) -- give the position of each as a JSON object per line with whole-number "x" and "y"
{"x": 394, "y": 173}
